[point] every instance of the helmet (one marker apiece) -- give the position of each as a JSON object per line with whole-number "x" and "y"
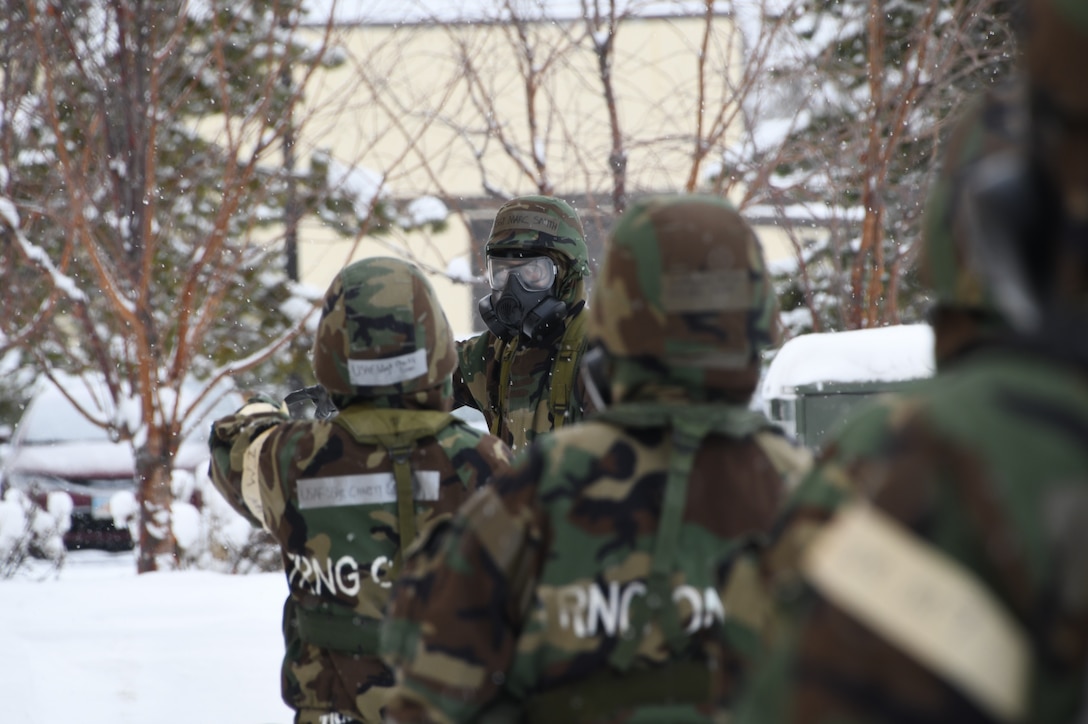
{"x": 547, "y": 226}
{"x": 683, "y": 302}
{"x": 382, "y": 333}
{"x": 965, "y": 311}
{"x": 534, "y": 227}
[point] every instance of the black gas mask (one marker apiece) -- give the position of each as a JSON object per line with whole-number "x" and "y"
{"x": 521, "y": 300}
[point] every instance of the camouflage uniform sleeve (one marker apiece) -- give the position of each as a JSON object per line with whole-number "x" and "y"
{"x": 472, "y": 356}
{"x": 452, "y": 625}
{"x": 231, "y": 436}
{"x": 477, "y": 466}
{"x": 824, "y": 664}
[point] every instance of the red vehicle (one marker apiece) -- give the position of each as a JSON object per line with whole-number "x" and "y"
{"x": 56, "y": 448}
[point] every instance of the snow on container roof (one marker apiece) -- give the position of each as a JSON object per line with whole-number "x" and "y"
{"x": 886, "y": 354}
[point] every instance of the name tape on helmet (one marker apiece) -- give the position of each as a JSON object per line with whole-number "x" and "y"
{"x": 706, "y": 291}
{"x": 339, "y": 491}
{"x": 389, "y": 371}
{"x": 525, "y": 221}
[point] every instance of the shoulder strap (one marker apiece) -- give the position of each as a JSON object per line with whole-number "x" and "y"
{"x": 689, "y": 425}
{"x": 565, "y": 368}
{"x": 505, "y": 363}
{"x": 401, "y": 456}
{"x": 687, "y": 433}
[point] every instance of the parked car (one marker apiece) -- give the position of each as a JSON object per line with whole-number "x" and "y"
{"x": 56, "y": 448}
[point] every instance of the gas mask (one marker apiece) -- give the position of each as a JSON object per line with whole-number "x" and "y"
{"x": 521, "y": 300}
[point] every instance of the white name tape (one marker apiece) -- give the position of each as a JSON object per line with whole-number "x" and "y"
{"x": 371, "y": 489}
{"x": 389, "y": 371}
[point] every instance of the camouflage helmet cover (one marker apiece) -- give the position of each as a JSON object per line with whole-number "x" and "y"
{"x": 683, "y": 300}
{"x": 548, "y": 226}
{"x": 382, "y": 332}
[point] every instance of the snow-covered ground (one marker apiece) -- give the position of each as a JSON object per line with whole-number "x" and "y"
{"x": 100, "y": 645}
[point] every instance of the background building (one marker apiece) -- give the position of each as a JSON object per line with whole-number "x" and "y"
{"x": 469, "y": 109}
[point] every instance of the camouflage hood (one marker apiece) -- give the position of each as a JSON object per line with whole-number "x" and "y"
{"x": 383, "y": 335}
{"x": 683, "y": 307}
{"x": 548, "y": 226}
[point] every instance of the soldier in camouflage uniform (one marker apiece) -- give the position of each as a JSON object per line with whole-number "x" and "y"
{"x": 935, "y": 565}
{"x": 586, "y": 585}
{"x": 522, "y": 372}
{"x": 343, "y": 496}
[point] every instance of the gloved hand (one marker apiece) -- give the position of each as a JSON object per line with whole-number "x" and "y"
{"x": 323, "y": 405}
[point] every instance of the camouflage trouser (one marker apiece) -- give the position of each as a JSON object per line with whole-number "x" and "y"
{"x": 315, "y": 716}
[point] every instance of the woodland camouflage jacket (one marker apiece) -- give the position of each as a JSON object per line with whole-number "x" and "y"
{"x": 327, "y": 493}
{"x": 524, "y": 604}
{"x": 525, "y": 409}
{"x": 934, "y": 567}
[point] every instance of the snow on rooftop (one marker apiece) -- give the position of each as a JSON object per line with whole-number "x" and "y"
{"x": 460, "y": 270}
{"x": 425, "y": 210}
{"x": 888, "y": 354}
{"x": 362, "y": 184}
{"x": 383, "y": 12}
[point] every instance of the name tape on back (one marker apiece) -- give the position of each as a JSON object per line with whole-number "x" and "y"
{"x": 926, "y": 604}
{"x": 369, "y": 489}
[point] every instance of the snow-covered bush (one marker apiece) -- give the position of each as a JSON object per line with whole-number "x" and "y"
{"x": 28, "y": 532}
{"x": 209, "y": 533}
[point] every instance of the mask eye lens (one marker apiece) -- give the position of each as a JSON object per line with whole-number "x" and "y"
{"x": 497, "y": 276}
{"x": 536, "y": 273}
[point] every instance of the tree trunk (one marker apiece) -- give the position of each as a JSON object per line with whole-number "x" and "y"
{"x": 157, "y": 545}
{"x": 866, "y": 283}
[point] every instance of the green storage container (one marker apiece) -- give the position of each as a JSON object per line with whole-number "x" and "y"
{"x": 816, "y": 380}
